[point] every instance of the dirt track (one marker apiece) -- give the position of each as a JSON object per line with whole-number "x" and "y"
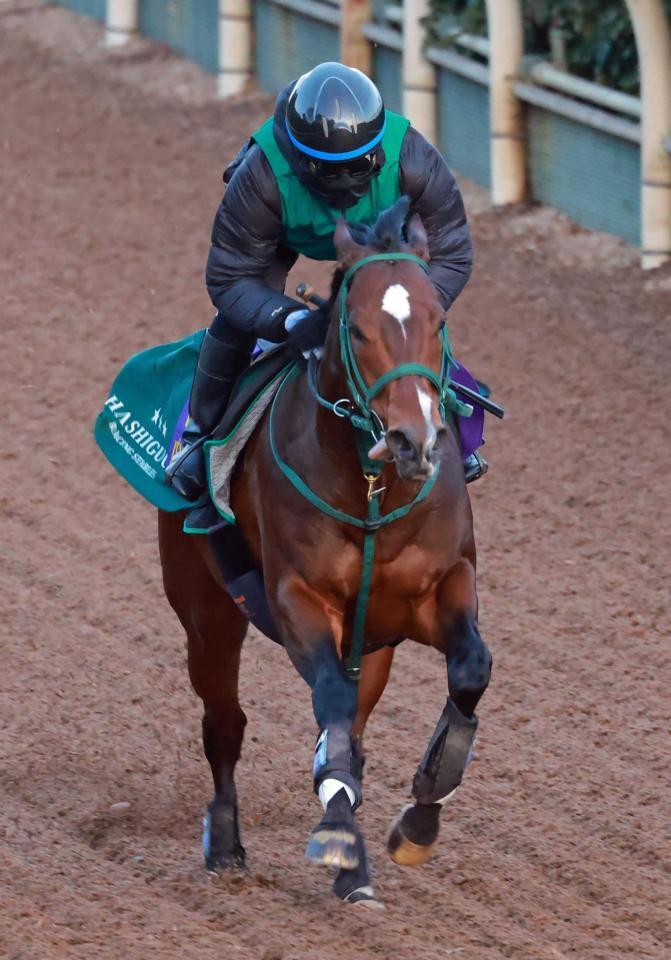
{"x": 558, "y": 843}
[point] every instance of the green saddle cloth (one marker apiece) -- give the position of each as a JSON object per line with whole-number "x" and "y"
{"x": 143, "y": 419}
{"x": 139, "y": 423}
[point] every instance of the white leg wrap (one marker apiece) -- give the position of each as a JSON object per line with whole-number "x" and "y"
{"x": 328, "y": 789}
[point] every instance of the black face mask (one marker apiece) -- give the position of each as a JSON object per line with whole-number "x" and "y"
{"x": 342, "y": 185}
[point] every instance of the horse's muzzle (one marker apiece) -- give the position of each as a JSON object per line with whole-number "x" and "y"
{"x": 415, "y": 456}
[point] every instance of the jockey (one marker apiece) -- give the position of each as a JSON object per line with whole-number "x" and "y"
{"x": 331, "y": 149}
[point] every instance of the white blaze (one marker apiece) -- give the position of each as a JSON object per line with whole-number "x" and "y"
{"x": 425, "y": 403}
{"x": 396, "y": 302}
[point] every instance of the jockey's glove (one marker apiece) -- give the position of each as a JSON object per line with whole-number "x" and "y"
{"x": 295, "y": 317}
{"x": 307, "y": 330}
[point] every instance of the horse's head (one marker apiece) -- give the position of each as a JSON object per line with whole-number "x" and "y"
{"x": 391, "y": 323}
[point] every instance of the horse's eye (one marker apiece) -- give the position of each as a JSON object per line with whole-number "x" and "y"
{"x": 356, "y": 333}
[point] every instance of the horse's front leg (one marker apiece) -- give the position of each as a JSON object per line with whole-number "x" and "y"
{"x": 312, "y": 636}
{"x": 354, "y": 884}
{"x": 450, "y": 748}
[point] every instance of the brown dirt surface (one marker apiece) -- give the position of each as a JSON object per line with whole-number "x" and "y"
{"x": 557, "y": 846}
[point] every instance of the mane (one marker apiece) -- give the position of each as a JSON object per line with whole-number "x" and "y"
{"x": 386, "y": 235}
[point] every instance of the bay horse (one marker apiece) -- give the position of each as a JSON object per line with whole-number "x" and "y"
{"x": 386, "y": 327}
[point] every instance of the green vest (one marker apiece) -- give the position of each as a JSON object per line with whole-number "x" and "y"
{"x": 308, "y": 221}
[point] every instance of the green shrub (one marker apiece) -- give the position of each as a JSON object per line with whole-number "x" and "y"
{"x": 599, "y": 38}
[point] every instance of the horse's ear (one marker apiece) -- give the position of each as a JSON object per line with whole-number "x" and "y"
{"x": 347, "y": 249}
{"x": 418, "y": 242}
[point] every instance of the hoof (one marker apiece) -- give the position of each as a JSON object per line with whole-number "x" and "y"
{"x": 370, "y": 904}
{"x": 364, "y": 897}
{"x": 226, "y": 862}
{"x": 333, "y": 847}
{"x": 221, "y": 857}
{"x": 406, "y": 852}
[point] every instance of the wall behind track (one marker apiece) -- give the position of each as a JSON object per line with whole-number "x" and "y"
{"x": 191, "y": 27}
{"x": 287, "y": 44}
{"x": 463, "y": 126}
{"x": 90, "y": 8}
{"x": 590, "y": 175}
{"x": 387, "y": 75}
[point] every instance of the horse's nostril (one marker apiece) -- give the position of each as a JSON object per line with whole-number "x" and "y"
{"x": 401, "y": 445}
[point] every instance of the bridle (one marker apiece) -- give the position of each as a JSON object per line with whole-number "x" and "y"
{"x": 358, "y": 407}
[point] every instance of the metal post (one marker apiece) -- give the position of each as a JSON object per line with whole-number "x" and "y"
{"x": 506, "y": 116}
{"x": 235, "y": 46}
{"x": 419, "y": 76}
{"x": 653, "y": 41}
{"x": 355, "y": 49}
{"x": 121, "y": 21}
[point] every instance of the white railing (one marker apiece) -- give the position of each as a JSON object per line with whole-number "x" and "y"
{"x": 455, "y": 62}
{"x": 384, "y": 35}
{"x": 546, "y": 75}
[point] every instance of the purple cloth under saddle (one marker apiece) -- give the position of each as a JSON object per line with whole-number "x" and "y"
{"x": 470, "y": 428}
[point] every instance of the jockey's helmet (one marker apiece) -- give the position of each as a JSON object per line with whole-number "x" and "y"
{"x": 336, "y": 119}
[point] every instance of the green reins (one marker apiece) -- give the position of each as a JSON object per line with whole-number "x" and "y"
{"x": 366, "y": 422}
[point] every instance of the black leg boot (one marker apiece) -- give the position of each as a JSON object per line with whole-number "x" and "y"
{"x": 219, "y": 366}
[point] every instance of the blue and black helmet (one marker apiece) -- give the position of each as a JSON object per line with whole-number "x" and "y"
{"x": 335, "y": 114}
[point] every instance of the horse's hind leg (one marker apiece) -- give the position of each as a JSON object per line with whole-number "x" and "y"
{"x": 215, "y": 631}
{"x": 450, "y": 748}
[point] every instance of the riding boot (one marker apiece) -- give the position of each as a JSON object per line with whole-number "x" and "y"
{"x": 219, "y": 366}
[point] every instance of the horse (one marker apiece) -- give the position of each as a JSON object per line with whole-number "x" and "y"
{"x": 385, "y": 326}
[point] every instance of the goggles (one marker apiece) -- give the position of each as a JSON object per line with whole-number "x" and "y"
{"x": 359, "y": 168}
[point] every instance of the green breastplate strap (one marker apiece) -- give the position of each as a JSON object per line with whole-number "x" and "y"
{"x": 370, "y": 525}
{"x": 308, "y": 222}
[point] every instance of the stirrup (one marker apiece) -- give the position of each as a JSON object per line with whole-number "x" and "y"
{"x": 186, "y": 472}
{"x": 475, "y": 467}
{"x": 182, "y": 454}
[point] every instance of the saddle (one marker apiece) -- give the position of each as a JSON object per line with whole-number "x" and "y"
{"x": 252, "y": 393}
{"x": 250, "y": 385}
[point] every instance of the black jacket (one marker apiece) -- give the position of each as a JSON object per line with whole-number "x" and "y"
{"x": 248, "y": 262}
